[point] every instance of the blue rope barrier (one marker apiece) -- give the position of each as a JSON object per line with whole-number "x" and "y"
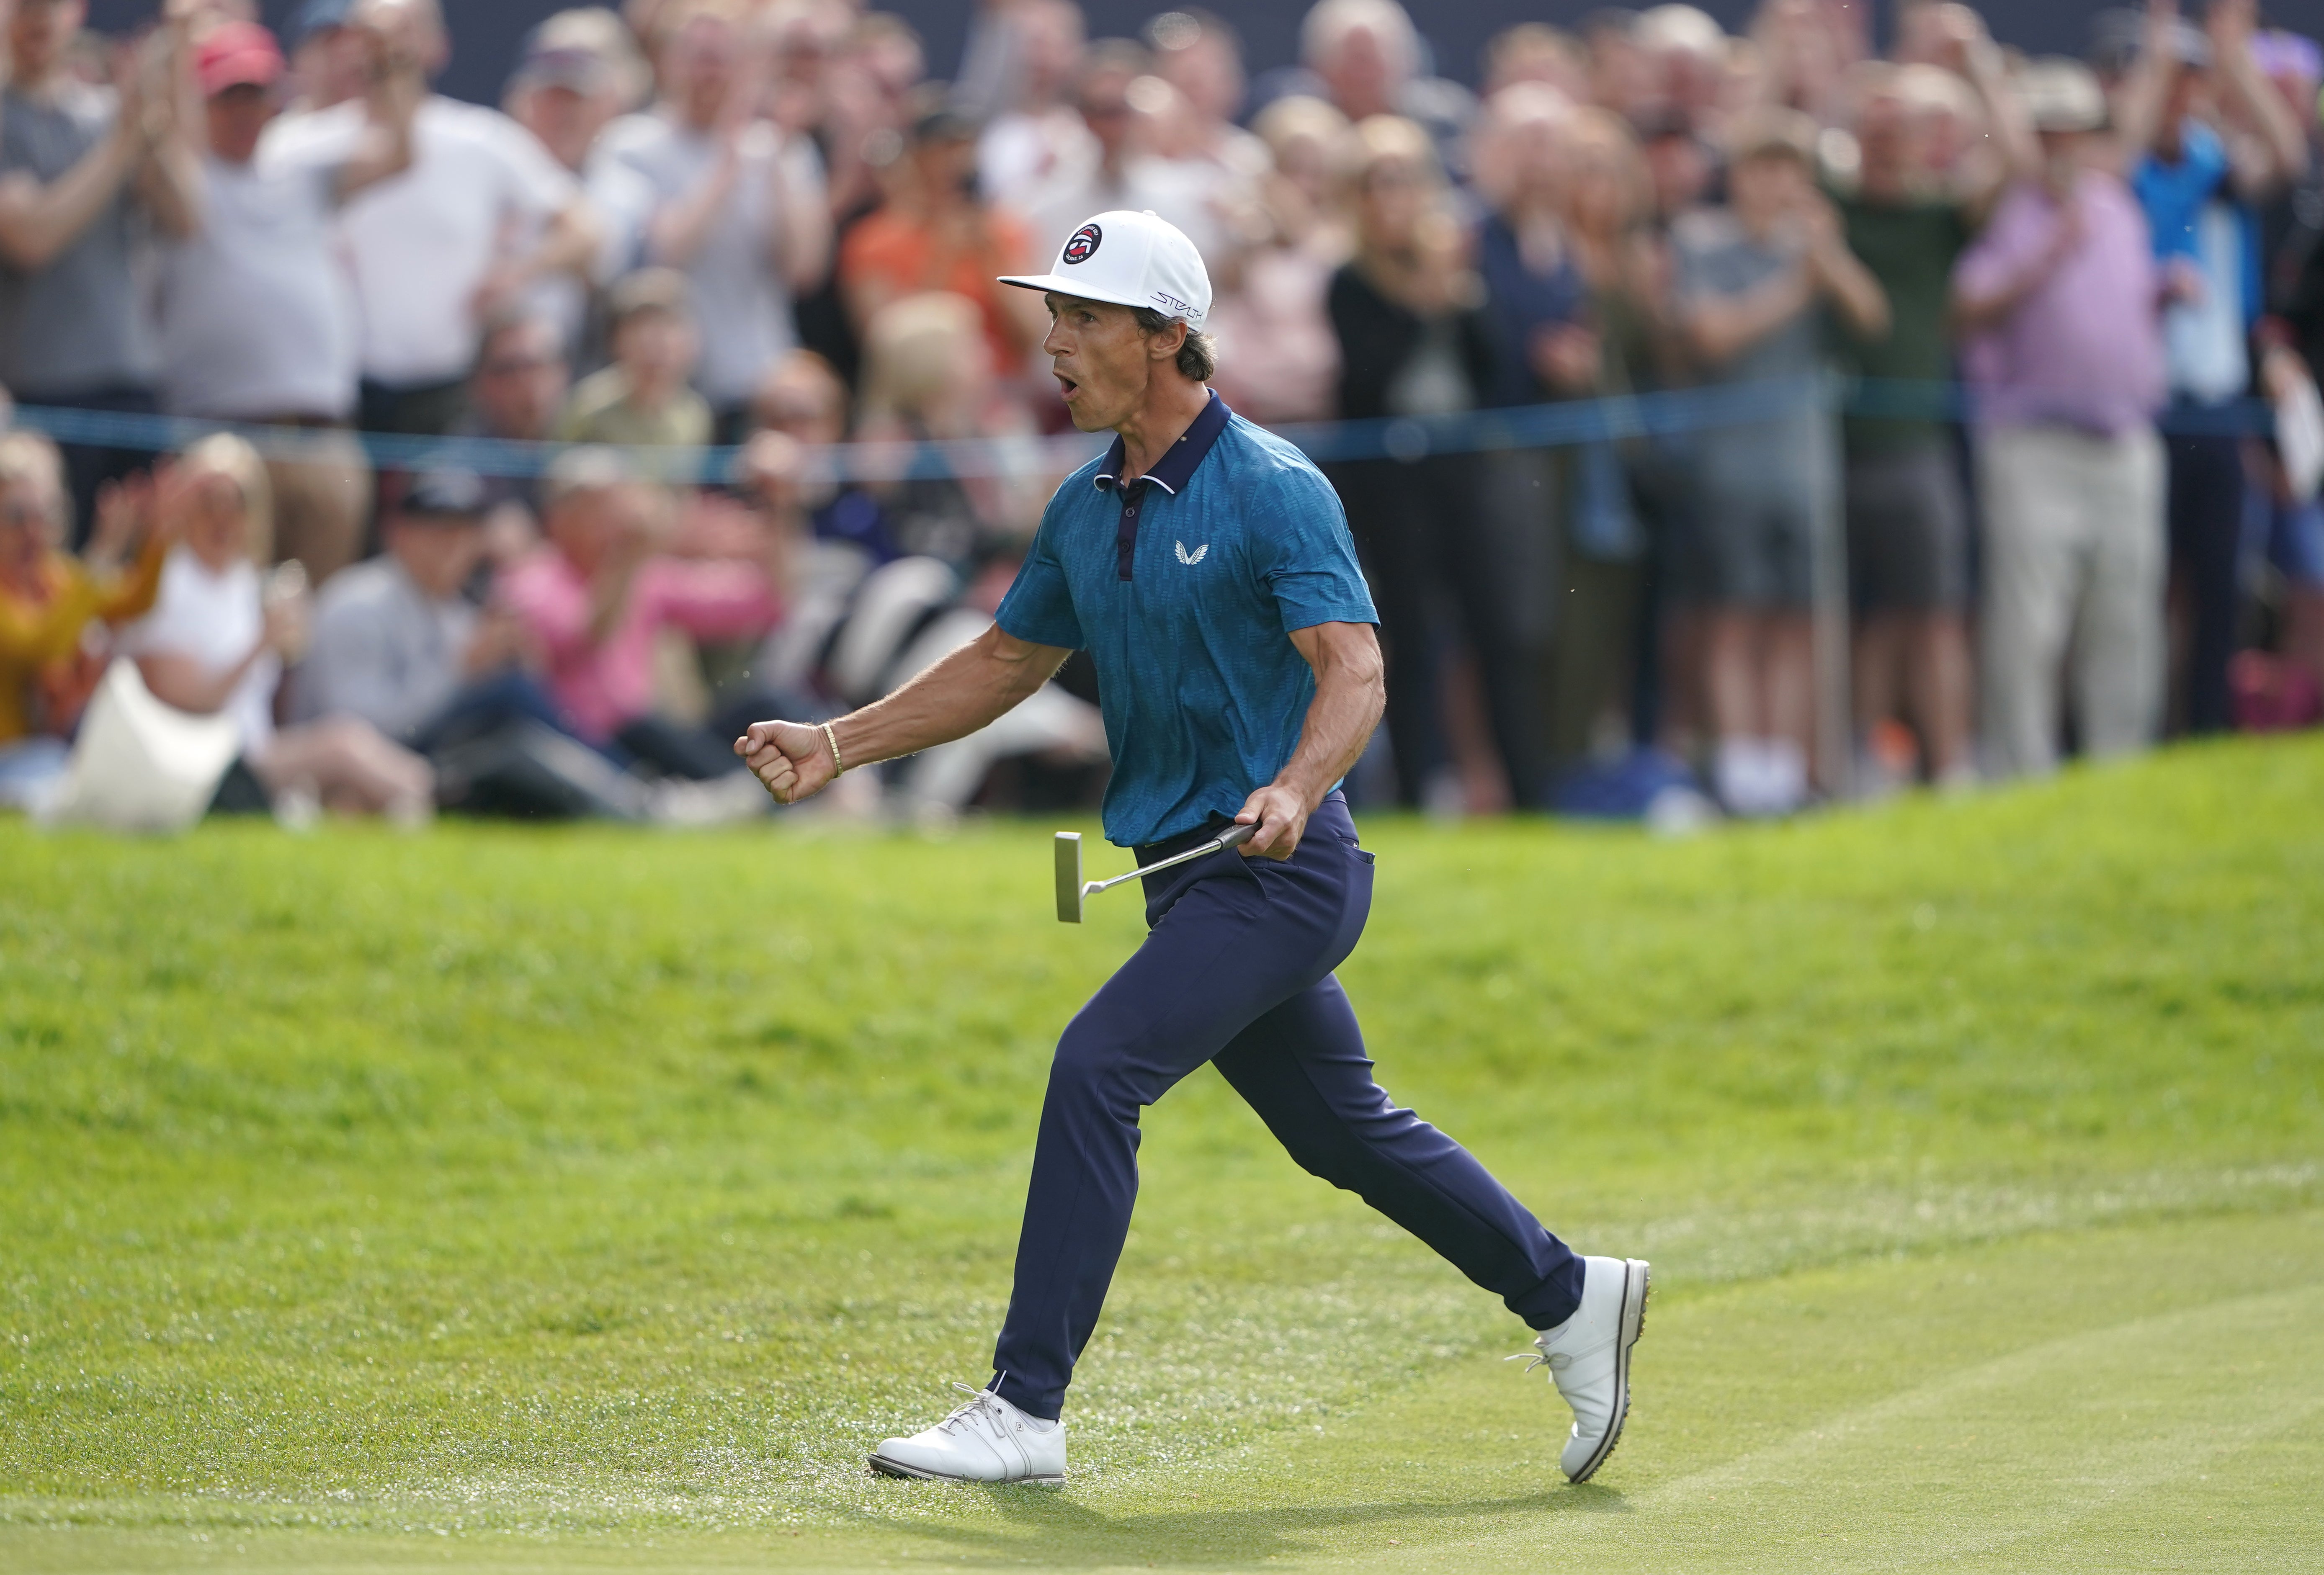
{"x": 1668, "y": 413}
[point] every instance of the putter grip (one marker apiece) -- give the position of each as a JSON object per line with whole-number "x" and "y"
{"x": 1238, "y": 835}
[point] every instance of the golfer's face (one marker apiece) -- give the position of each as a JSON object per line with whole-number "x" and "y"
{"x": 1099, "y": 359}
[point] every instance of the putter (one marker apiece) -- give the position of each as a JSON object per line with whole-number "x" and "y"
{"x": 1073, "y": 891}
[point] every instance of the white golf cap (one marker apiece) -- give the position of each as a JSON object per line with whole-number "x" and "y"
{"x": 1132, "y": 260}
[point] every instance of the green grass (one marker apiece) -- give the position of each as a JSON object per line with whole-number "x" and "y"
{"x": 527, "y": 1199}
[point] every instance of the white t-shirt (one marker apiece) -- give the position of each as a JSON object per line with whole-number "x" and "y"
{"x": 214, "y": 618}
{"x": 739, "y": 299}
{"x": 257, "y": 318}
{"x": 417, "y": 245}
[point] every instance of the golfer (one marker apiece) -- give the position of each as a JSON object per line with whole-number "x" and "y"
{"x": 1206, "y": 568}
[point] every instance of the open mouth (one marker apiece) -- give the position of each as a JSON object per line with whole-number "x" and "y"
{"x": 1067, "y": 386}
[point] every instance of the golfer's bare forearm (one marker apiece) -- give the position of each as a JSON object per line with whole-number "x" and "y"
{"x": 969, "y": 689}
{"x": 1351, "y": 692}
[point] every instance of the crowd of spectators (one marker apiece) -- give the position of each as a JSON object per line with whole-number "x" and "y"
{"x": 1993, "y": 489}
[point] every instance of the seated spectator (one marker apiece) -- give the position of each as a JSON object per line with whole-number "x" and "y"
{"x": 397, "y": 645}
{"x": 216, "y": 642}
{"x": 599, "y": 593}
{"x": 482, "y": 213}
{"x": 1284, "y": 362}
{"x": 1753, "y": 283}
{"x": 643, "y": 399}
{"x": 254, "y": 321}
{"x": 936, "y": 232}
{"x": 804, "y": 401}
{"x": 83, "y": 171}
{"x": 52, "y": 603}
{"x": 739, "y": 204}
{"x": 2065, "y": 360}
{"x": 395, "y": 640}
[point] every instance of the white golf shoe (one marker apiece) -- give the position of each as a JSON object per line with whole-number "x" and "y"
{"x": 1589, "y": 1357}
{"x": 988, "y": 1440}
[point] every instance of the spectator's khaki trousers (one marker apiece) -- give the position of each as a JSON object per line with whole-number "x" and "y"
{"x": 2074, "y": 563}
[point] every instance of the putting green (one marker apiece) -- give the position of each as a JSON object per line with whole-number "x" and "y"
{"x": 2147, "y": 1397}
{"x": 509, "y": 1198}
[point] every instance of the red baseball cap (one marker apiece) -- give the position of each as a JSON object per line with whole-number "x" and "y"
{"x": 237, "y": 54}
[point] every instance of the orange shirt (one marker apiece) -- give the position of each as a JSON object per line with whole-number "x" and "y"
{"x": 40, "y": 634}
{"x": 896, "y": 250}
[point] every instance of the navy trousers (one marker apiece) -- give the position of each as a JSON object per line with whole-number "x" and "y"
{"x": 1236, "y": 969}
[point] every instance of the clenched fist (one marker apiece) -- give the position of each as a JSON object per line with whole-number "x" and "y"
{"x": 793, "y": 759}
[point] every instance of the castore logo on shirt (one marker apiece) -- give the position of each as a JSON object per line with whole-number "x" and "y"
{"x": 1194, "y": 557}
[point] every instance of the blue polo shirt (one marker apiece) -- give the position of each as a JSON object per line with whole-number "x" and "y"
{"x": 1183, "y": 585}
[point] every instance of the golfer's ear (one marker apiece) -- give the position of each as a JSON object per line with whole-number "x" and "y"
{"x": 1164, "y": 343}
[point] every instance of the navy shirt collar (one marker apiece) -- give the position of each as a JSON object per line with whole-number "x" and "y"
{"x": 1174, "y": 468}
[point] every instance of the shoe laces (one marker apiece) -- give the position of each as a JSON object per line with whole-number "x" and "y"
{"x": 983, "y": 1405}
{"x": 1541, "y": 1356}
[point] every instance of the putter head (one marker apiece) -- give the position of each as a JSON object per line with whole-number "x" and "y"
{"x": 1069, "y": 878}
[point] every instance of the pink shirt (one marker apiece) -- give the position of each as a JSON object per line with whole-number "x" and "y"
{"x": 2084, "y": 348}
{"x": 602, "y": 686}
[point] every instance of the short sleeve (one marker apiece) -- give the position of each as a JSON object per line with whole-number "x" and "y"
{"x": 1304, "y": 555}
{"x": 1039, "y": 605}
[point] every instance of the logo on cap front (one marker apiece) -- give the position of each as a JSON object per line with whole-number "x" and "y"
{"x": 1083, "y": 246}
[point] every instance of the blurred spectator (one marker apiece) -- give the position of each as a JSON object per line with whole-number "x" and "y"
{"x": 1753, "y": 284}
{"x": 330, "y": 62}
{"x": 2293, "y": 237}
{"x": 1036, "y": 134}
{"x": 82, "y": 170}
{"x": 1907, "y": 513}
{"x": 867, "y": 107}
{"x": 516, "y": 393}
{"x": 1416, "y": 341}
{"x": 599, "y": 593}
{"x": 1199, "y": 55}
{"x": 398, "y": 646}
{"x": 642, "y": 398}
{"x": 1684, "y": 55}
{"x": 1123, "y": 107}
{"x": 579, "y": 69}
{"x": 1621, "y": 75}
{"x": 254, "y": 321}
{"x": 1282, "y": 360}
{"x": 430, "y": 249}
{"x": 1535, "y": 51}
{"x": 216, "y": 642}
{"x": 395, "y": 640}
{"x": 52, "y": 648}
{"x": 803, "y": 399}
{"x": 1366, "y": 58}
{"x": 1598, "y": 640}
{"x": 2207, "y": 135}
{"x": 928, "y": 377}
{"x": 936, "y": 232}
{"x": 2066, "y": 363}
{"x": 739, "y": 201}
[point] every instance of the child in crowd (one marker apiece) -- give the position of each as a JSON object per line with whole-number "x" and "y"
{"x": 643, "y": 399}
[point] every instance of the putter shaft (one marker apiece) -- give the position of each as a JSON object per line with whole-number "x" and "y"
{"x": 1232, "y": 837}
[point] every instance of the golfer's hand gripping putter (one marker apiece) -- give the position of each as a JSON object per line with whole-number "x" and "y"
{"x": 1073, "y": 891}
